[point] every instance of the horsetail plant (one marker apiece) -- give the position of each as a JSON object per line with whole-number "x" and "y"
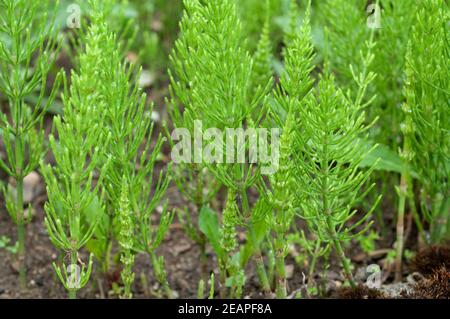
{"x": 279, "y": 171}
{"x": 147, "y": 197}
{"x": 124, "y": 102}
{"x": 348, "y": 24}
{"x": 347, "y": 29}
{"x": 28, "y": 49}
{"x": 330, "y": 143}
{"x": 262, "y": 77}
{"x": 202, "y": 287}
{"x": 255, "y": 15}
{"x": 214, "y": 82}
{"x": 74, "y": 207}
{"x": 295, "y": 84}
{"x": 195, "y": 182}
{"x": 262, "y": 69}
{"x": 129, "y": 160}
{"x": 113, "y": 91}
{"x": 426, "y": 125}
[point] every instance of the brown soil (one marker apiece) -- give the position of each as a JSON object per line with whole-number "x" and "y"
{"x": 182, "y": 260}
{"x": 180, "y": 253}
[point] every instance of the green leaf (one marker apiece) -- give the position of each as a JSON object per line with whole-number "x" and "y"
{"x": 388, "y": 160}
{"x": 209, "y": 225}
{"x": 259, "y": 229}
{"x": 96, "y": 247}
{"x": 94, "y": 213}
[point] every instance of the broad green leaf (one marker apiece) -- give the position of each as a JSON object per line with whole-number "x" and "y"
{"x": 96, "y": 247}
{"x": 388, "y": 160}
{"x": 209, "y": 225}
{"x": 259, "y": 231}
{"x": 95, "y": 213}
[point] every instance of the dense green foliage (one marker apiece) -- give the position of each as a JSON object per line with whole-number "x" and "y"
{"x": 353, "y": 114}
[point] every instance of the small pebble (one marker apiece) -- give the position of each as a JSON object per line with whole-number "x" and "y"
{"x": 289, "y": 271}
{"x": 146, "y": 79}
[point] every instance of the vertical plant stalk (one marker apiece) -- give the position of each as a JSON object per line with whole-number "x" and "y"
{"x": 327, "y": 213}
{"x": 281, "y": 290}
{"x": 202, "y": 238}
{"x": 257, "y": 255}
{"x": 412, "y": 206}
{"x": 18, "y": 176}
{"x": 222, "y": 278}
{"x": 283, "y": 212}
{"x": 73, "y": 274}
{"x": 260, "y": 267}
{"x": 341, "y": 255}
{"x": 402, "y": 191}
{"x": 201, "y": 289}
{"x": 439, "y": 224}
{"x": 106, "y": 259}
{"x": 131, "y": 194}
{"x": 21, "y": 251}
{"x": 312, "y": 266}
{"x": 261, "y": 272}
{"x": 160, "y": 274}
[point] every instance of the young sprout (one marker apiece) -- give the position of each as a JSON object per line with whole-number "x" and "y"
{"x": 126, "y": 240}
